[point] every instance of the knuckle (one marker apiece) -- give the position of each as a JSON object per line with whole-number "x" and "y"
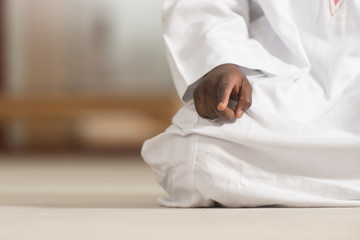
{"x": 247, "y": 103}
{"x": 229, "y": 79}
{"x": 233, "y": 76}
{"x": 236, "y": 76}
{"x": 223, "y": 85}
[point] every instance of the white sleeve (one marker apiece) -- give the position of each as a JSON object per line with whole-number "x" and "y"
{"x": 202, "y": 34}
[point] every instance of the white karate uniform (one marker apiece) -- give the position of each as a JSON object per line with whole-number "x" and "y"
{"x": 299, "y": 143}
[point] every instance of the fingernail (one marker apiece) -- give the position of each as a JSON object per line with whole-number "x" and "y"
{"x": 239, "y": 114}
{"x": 220, "y": 106}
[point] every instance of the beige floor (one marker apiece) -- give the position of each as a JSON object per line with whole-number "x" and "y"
{"x": 115, "y": 198}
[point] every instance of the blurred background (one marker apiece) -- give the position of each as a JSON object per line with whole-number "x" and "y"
{"x": 82, "y": 76}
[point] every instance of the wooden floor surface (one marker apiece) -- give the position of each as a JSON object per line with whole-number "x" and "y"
{"x": 73, "y": 197}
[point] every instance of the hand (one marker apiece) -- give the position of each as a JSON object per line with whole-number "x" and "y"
{"x": 221, "y": 84}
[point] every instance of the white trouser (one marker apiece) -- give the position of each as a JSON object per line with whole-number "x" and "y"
{"x": 274, "y": 155}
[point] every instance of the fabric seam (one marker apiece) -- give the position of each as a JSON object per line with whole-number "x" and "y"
{"x": 194, "y": 160}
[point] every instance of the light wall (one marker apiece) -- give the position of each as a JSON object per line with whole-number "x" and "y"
{"x": 93, "y": 54}
{"x": 76, "y": 45}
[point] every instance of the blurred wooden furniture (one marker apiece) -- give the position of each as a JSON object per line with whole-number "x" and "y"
{"x": 2, "y": 75}
{"x": 70, "y": 119}
{"x": 76, "y": 121}
{"x": 70, "y": 104}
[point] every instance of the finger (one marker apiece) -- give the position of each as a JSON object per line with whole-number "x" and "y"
{"x": 226, "y": 115}
{"x": 208, "y": 108}
{"x": 244, "y": 100}
{"x": 202, "y": 104}
{"x": 198, "y": 102}
{"x": 223, "y": 94}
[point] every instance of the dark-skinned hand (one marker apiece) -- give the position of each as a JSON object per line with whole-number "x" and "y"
{"x": 217, "y": 87}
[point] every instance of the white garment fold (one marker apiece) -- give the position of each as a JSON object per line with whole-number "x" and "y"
{"x": 299, "y": 144}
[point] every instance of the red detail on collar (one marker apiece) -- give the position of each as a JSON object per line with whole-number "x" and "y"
{"x": 335, "y": 6}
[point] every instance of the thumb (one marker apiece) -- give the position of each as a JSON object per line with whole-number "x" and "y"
{"x": 223, "y": 92}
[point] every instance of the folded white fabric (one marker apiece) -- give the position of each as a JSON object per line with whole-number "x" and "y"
{"x": 299, "y": 144}
{"x": 263, "y": 159}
